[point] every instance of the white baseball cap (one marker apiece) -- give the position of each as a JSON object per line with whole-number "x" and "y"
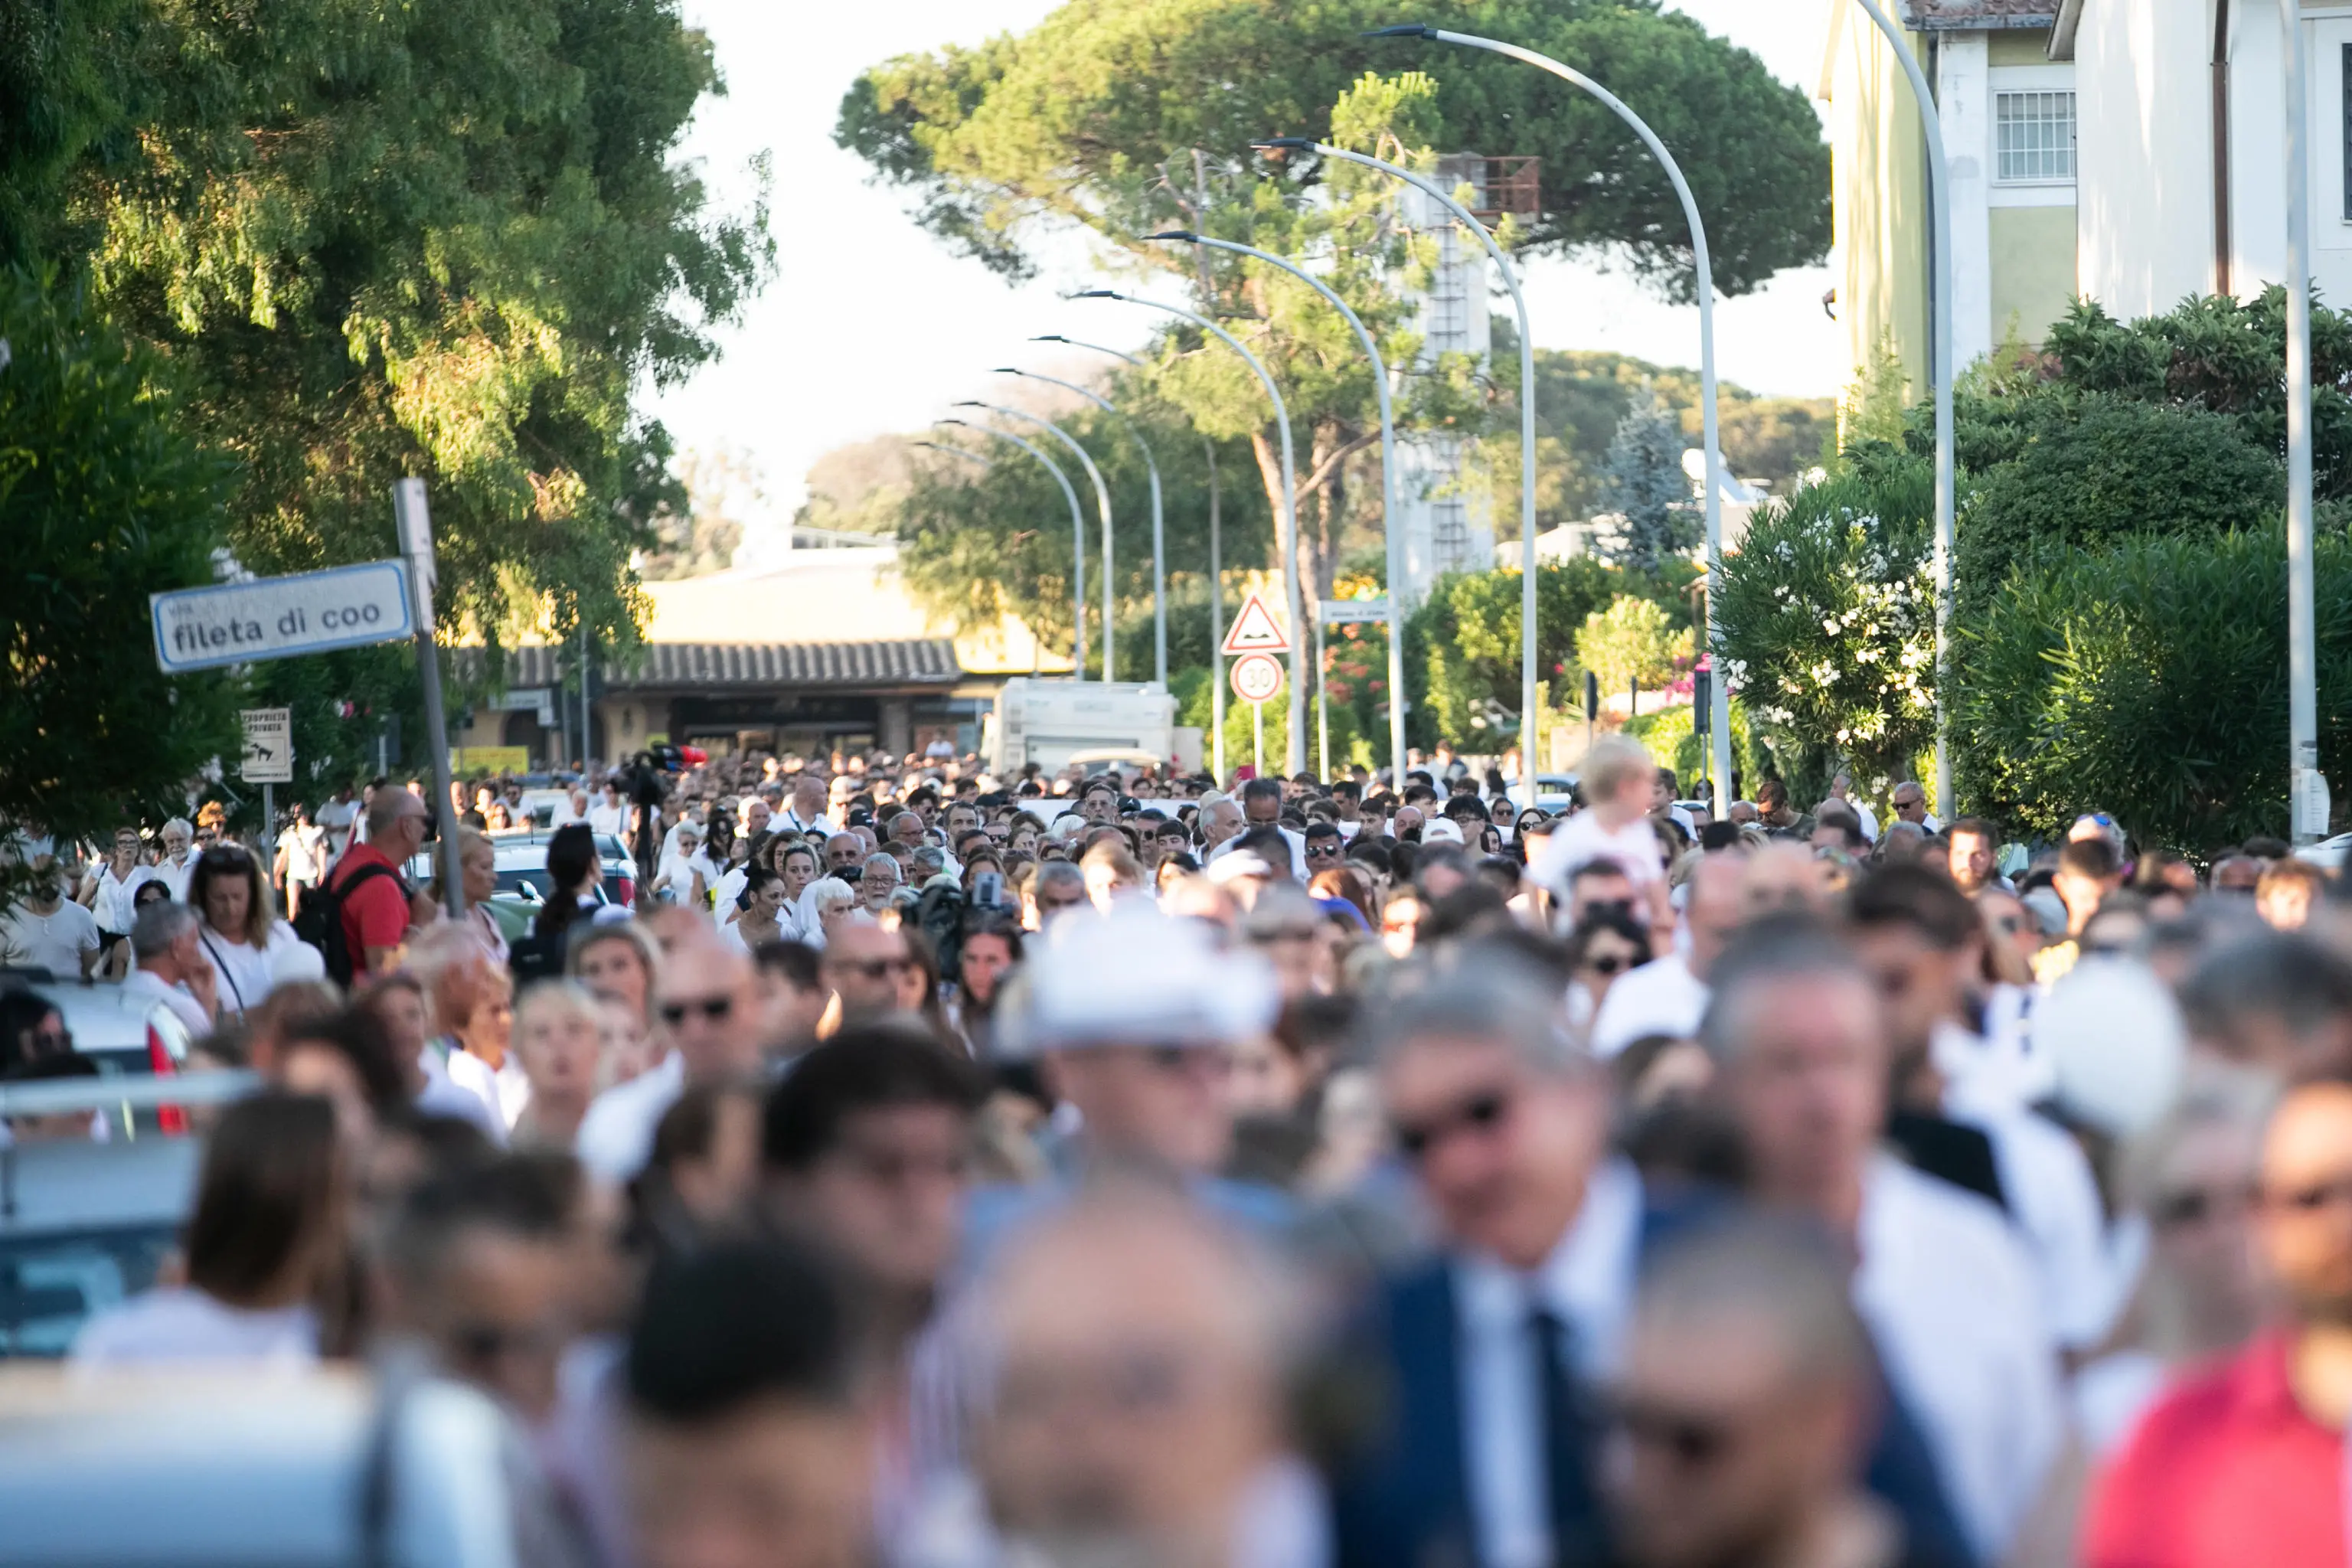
{"x": 1135, "y": 976}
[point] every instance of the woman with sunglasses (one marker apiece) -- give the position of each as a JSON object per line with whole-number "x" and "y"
{"x": 1609, "y": 943}
{"x": 238, "y": 925}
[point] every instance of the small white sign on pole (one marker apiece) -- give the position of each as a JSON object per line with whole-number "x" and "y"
{"x": 279, "y": 617}
{"x": 1256, "y": 676}
{"x": 268, "y": 746}
{"x": 1352, "y": 611}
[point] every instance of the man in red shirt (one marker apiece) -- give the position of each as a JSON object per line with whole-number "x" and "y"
{"x": 374, "y": 910}
{"x": 2244, "y": 1463}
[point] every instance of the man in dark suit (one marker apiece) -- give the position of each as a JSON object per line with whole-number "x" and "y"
{"x": 1493, "y": 1353}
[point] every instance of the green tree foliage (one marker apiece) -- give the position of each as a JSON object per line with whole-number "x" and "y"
{"x": 443, "y": 239}
{"x": 1089, "y": 118}
{"x": 1632, "y": 642}
{"x": 1642, "y": 478}
{"x": 1462, "y": 647}
{"x": 108, "y": 499}
{"x": 2222, "y": 355}
{"x": 977, "y": 542}
{"x": 2096, "y": 468}
{"x": 2149, "y": 679}
{"x": 1827, "y": 622}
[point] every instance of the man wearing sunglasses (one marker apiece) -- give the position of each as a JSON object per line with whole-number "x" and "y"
{"x": 1488, "y": 1454}
{"x": 707, "y": 1006}
{"x": 2245, "y": 1462}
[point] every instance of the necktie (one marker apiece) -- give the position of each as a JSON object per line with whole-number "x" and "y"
{"x": 1572, "y": 1507}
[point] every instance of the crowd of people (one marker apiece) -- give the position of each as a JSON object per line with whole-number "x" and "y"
{"x": 932, "y": 1169}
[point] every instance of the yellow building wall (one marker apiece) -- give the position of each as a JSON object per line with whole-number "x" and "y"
{"x": 1878, "y": 195}
{"x": 2032, "y": 269}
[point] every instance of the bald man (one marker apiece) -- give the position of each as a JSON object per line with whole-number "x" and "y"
{"x": 1136, "y": 1411}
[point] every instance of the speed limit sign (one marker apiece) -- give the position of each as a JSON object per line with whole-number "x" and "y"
{"x": 1257, "y": 677}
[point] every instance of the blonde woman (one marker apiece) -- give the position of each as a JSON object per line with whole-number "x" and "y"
{"x": 559, "y": 1040}
{"x": 473, "y": 1001}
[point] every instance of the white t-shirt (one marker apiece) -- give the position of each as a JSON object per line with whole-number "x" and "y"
{"x": 612, "y": 818}
{"x": 181, "y": 1324}
{"x": 243, "y": 970}
{"x": 1580, "y": 839}
{"x": 55, "y": 943}
{"x": 305, "y": 849}
{"x": 141, "y": 985}
{"x": 113, "y": 908}
{"x": 335, "y": 819}
{"x": 176, "y": 877}
{"x": 616, "y": 1136}
{"x": 1660, "y": 997}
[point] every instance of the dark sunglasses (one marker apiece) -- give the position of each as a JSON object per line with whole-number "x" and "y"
{"x": 1692, "y": 1441}
{"x": 717, "y": 1009}
{"x": 481, "y": 1343}
{"x": 2195, "y": 1205}
{"x": 1605, "y": 963}
{"x": 2318, "y": 1196}
{"x": 224, "y": 856}
{"x": 1479, "y": 1113}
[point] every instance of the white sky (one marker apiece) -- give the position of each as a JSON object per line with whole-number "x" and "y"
{"x": 870, "y": 326}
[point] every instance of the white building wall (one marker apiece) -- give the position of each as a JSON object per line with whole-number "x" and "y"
{"x": 2257, "y": 131}
{"x": 1963, "y": 103}
{"x": 2144, "y": 104}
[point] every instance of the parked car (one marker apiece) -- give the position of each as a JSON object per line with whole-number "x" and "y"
{"x": 85, "y": 1222}
{"x": 520, "y": 858}
{"x": 171, "y": 1469}
{"x": 116, "y": 1031}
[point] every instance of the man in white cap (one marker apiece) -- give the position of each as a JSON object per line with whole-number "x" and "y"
{"x": 1132, "y": 1018}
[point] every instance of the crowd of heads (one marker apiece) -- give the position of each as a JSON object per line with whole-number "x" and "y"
{"x": 946, "y": 1168}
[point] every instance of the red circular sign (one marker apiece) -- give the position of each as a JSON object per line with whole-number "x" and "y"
{"x": 1256, "y": 676}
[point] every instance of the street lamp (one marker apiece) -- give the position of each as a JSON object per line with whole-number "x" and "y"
{"x": 958, "y": 451}
{"x": 1529, "y": 717}
{"x": 1077, "y": 537}
{"x": 1216, "y": 569}
{"x": 2306, "y": 788}
{"x": 1102, "y": 504}
{"x": 1287, "y": 521}
{"x": 1720, "y": 715}
{"x": 1159, "y": 552}
{"x": 1388, "y": 478}
{"x": 1939, "y": 220}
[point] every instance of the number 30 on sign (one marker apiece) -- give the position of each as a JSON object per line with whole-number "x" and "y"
{"x": 1256, "y": 676}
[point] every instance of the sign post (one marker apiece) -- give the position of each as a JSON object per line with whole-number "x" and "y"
{"x": 415, "y": 522}
{"x": 1256, "y": 634}
{"x": 269, "y": 762}
{"x": 1257, "y": 679}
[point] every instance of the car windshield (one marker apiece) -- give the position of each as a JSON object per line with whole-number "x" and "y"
{"x": 50, "y": 1285}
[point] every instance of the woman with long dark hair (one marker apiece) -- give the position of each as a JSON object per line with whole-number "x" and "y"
{"x": 267, "y": 1242}
{"x": 573, "y": 871}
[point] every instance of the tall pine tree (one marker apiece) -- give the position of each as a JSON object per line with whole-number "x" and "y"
{"x": 1642, "y": 477}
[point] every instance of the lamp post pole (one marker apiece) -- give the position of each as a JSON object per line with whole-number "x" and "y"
{"x": 1529, "y": 717}
{"x": 1159, "y": 547}
{"x": 1940, "y": 219}
{"x": 1388, "y": 478}
{"x": 2306, "y": 789}
{"x": 1287, "y": 521}
{"x": 957, "y": 451}
{"x": 1078, "y": 540}
{"x": 1719, "y": 719}
{"x": 1102, "y": 504}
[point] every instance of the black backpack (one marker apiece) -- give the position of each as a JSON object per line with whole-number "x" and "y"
{"x": 320, "y": 923}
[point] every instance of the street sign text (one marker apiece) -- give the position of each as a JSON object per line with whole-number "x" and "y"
{"x": 277, "y": 618}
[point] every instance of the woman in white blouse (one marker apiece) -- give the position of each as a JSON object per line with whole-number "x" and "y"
{"x": 240, "y": 930}
{"x": 797, "y": 865}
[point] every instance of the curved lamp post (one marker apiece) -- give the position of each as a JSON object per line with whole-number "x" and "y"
{"x": 1077, "y": 536}
{"x": 1289, "y": 523}
{"x": 958, "y": 451}
{"x": 1102, "y": 504}
{"x": 1216, "y": 571}
{"x": 1528, "y": 716}
{"x": 1940, "y": 219}
{"x": 1388, "y": 480}
{"x": 1719, "y": 763}
{"x": 1159, "y": 549}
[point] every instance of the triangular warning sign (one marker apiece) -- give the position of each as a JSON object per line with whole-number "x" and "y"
{"x": 1255, "y": 630}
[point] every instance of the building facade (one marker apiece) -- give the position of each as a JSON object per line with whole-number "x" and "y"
{"x": 2129, "y": 152}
